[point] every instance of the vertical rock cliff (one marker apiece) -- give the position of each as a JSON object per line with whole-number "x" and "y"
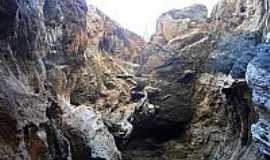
{"x": 209, "y": 89}
{"x": 58, "y": 80}
{"x": 75, "y": 85}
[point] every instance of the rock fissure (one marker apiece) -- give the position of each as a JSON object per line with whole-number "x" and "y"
{"x": 75, "y": 85}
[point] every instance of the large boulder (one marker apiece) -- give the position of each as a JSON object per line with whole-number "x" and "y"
{"x": 90, "y": 138}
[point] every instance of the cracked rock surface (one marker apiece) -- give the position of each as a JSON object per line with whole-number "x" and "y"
{"x": 75, "y": 85}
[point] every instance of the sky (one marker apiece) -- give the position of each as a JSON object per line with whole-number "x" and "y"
{"x": 140, "y": 16}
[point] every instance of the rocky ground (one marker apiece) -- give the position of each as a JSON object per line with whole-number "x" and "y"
{"x": 75, "y": 85}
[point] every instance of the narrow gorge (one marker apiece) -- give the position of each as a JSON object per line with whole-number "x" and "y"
{"x": 76, "y": 85}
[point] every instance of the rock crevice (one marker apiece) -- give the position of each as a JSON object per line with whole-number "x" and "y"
{"x": 76, "y": 85}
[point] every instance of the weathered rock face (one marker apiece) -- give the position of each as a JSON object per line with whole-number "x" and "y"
{"x": 230, "y": 15}
{"x": 53, "y": 73}
{"x": 219, "y": 127}
{"x": 252, "y": 16}
{"x": 178, "y": 22}
{"x": 174, "y": 65}
{"x": 68, "y": 88}
{"x": 258, "y": 78}
{"x": 112, "y": 38}
{"x": 201, "y": 77}
{"x": 176, "y": 30}
{"x": 258, "y": 72}
{"x": 96, "y": 137}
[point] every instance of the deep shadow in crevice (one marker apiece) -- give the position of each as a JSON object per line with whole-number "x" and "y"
{"x": 239, "y": 96}
{"x": 147, "y": 136}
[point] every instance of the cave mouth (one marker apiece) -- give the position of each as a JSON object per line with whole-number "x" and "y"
{"x": 146, "y": 137}
{"x": 161, "y": 133}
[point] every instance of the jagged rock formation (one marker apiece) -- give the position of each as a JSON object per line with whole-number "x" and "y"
{"x": 54, "y": 72}
{"x": 176, "y": 30}
{"x": 258, "y": 78}
{"x": 178, "y": 22}
{"x": 112, "y": 38}
{"x": 70, "y": 88}
{"x": 201, "y": 72}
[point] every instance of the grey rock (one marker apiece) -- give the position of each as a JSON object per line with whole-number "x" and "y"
{"x": 260, "y": 133}
{"x": 258, "y": 77}
{"x": 84, "y": 123}
{"x": 44, "y": 59}
{"x": 233, "y": 54}
{"x": 196, "y": 12}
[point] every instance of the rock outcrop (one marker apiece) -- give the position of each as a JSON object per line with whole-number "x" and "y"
{"x": 201, "y": 73}
{"x": 258, "y": 77}
{"x": 178, "y": 22}
{"x": 112, "y": 38}
{"x": 175, "y": 30}
{"x": 59, "y": 80}
{"x": 76, "y": 85}
{"x": 258, "y": 72}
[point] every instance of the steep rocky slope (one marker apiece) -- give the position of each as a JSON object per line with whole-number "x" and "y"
{"x": 202, "y": 67}
{"x": 112, "y": 38}
{"x": 71, "y": 88}
{"x": 58, "y": 70}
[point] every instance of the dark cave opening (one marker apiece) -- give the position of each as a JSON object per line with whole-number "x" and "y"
{"x": 151, "y": 137}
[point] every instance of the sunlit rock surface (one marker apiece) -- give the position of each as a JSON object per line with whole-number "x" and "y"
{"x": 177, "y": 22}
{"x": 112, "y": 38}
